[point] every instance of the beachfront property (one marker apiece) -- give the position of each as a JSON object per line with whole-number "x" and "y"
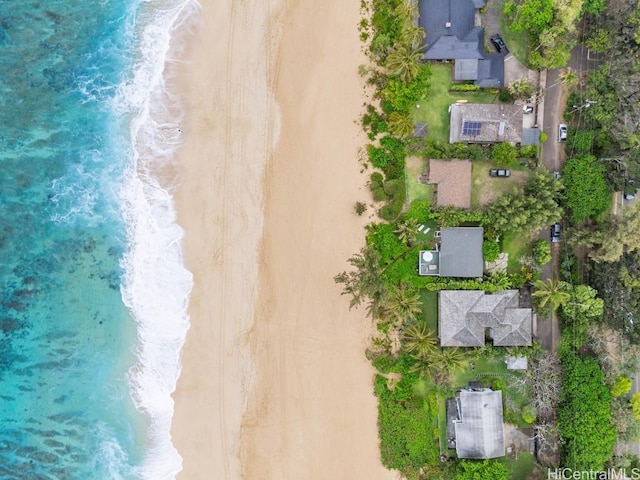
{"x": 475, "y": 423}
{"x": 454, "y": 34}
{"x": 468, "y": 318}
{"x": 458, "y": 253}
{"x": 485, "y": 123}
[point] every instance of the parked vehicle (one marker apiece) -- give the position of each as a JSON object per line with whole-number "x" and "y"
{"x": 498, "y": 42}
{"x": 495, "y": 172}
{"x": 562, "y": 132}
{"x": 557, "y": 175}
{"x": 555, "y": 232}
{"x": 629, "y": 196}
{"x": 527, "y": 109}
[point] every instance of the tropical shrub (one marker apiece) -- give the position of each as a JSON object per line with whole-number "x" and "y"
{"x": 481, "y": 470}
{"x": 373, "y": 122}
{"x": 541, "y": 252}
{"x": 402, "y": 96}
{"x": 529, "y": 414}
{"x": 464, "y": 87}
{"x": 635, "y": 404}
{"x": 403, "y": 420}
{"x": 504, "y": 154}
{"x": 528, "y": 151}
{"x": 582, "y": 141}
{"x": 490, "y": 250}
{"x": 360, "y": 208}
{"x": 621, "y": 386}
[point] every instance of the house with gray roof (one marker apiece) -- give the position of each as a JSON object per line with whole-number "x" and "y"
{"x": 459, "y": 254}
{"x": 466, "y": 318}
{"x": 485, "y": 123}
{"x": 454, "y": 33}
{"x": 475, "y": 423}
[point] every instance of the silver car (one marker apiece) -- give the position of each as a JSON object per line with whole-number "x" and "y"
{"x": 562, "y": 132}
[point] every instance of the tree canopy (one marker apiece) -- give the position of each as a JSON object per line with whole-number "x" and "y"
{"x": 536, "y": 208}
{"x": 584, "y": 414}
{"x": 586, "y": 193}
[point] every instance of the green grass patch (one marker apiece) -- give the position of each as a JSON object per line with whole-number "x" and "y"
{"x": 416, "y": 190}
{"x": 435, "y": 110}
{"x": 516, "y": 245}
{"x": 430, "y": 309}
{"x": 485, "y": 188}
{"x": 483, "y": 367}
{"x": 517, "y": 42}
{"x": 442, "y": 423}
{"x": 520, "y": 468}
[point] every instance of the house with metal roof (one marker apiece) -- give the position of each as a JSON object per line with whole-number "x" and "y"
{"x": 475, "y": 423}
{"x": 458, "y": 254}
{"x": 467, "y": 318}
{"x": 454, "y": 33}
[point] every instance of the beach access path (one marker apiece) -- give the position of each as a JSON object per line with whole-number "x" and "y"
{"x": 275, "y": 384}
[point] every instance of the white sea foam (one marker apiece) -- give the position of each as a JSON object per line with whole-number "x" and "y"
{"x": 157, "y": 284}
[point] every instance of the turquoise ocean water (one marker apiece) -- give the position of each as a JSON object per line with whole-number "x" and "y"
{"x": 94, "y": 291}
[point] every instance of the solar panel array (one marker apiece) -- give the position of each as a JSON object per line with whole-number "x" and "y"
{"x": 471, "y": 128}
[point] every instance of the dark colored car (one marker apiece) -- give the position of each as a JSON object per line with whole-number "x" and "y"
{"x": 555, "y": 232}
{"x": 498, "y": 42}
{"x": 494, "y": 172}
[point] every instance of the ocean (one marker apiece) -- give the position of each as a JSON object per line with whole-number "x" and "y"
{"x": 94, "y": 287}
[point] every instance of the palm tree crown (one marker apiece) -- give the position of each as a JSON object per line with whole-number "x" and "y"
{"x": 552, "y": 292}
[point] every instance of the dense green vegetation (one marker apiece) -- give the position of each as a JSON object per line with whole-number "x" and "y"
{"x": 406, "y": 441}
{"x": 481, "y": 470}
{"x": 586, "y": 194}
{"x": 551, "y": 27}
{"x": 584, "y": 414}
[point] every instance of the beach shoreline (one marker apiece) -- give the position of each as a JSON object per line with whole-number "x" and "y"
{"x": 274, "y": 383}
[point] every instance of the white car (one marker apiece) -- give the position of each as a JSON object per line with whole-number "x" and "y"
{"x": 562, "y": 132}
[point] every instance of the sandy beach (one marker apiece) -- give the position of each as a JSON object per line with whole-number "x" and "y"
{"x": 274, "y": 383}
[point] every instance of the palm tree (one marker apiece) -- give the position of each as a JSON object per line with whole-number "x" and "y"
{"x": 451, "y": 359}
{"x": 364, "y": 282}
{"x": 401, "y": 305}
{"x": 404, "y": 61}
{"x": 419, "y": 341}
{"x": 552, "y": 292}
{"x": 412, "y": 35}
{"x": 441, "y": 364}
{"x": 407, "y": 230}
{"x": 400, "y": 124}
{"x": 568, "y": 77}
{"x": 407, "y": 10}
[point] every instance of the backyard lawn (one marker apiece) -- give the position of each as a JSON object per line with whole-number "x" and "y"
{"x": 522, "y": 467}
{"x": 516, "y": 245}
{"x": 485, "y": 189}
{"x": 430, "y": 309}
{"x": 435, "y": 110}
{"x": 416, "y": 190}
